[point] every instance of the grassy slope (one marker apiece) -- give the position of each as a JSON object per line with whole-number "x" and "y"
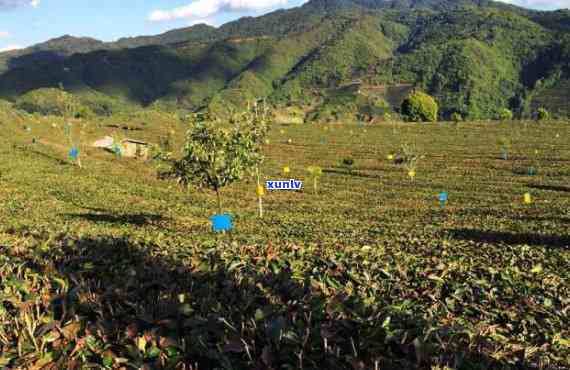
{"x": 372, "y": 258}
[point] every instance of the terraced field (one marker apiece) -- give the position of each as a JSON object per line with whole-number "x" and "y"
{"x": 110, "y": 267}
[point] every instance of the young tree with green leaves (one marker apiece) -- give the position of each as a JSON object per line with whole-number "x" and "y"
{"x": 217, "y": 154}
{"x": 505, "y": 144}
{"x": 75, "y": 143}
{"x": 315, "y": 172}
{"x": 410, "y": 157}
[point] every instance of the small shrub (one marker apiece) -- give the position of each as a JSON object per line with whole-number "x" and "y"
{"x": 542, "y": 114}
{"x": 505, "y": 115}
{"x": 456, "y": 117}
{"x": 420, "y": 107}
{"x": 348, "y": 164}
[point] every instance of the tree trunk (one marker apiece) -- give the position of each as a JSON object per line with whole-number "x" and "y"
{"x": 219, "y": 201}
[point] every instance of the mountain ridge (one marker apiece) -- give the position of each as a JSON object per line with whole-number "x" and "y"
{"x": 304, "y": 55}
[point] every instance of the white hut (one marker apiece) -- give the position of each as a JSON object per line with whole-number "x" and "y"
{"x": 129, "y": 148}
{"x": 105, "y": 143}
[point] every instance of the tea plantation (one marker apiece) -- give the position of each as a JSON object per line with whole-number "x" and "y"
{"x": 110, "y": 267}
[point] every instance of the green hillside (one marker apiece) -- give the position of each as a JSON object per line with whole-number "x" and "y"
{"x": 475, "y": 58}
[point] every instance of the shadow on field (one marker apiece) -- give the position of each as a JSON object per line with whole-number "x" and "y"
{"x": 564, "y": 189}
{"x": 245, "y": 316}
{"x": 59, "y": 161}
{"x": 481, "y": 236}
{"x": 558, "y": 220}
{"x": 125, "y": 128}
{"x": 137, "y": 219}
{"x": 343, "y": 172}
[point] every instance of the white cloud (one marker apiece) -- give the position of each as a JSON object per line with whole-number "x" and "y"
{"x": 201, "y": 9}
{"x": 15, "y": 3}
{"x": 198, "y": 10}
{"x": 540, "y": 4}
{"x": 10, "y": 47}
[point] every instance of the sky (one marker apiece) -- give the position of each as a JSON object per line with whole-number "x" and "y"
{"x": 27, "y": 22}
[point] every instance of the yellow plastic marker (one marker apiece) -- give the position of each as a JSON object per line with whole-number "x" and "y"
{"x": 412, "y": 174}
{"x": 289, "y": 141}
{"x": 267, "y": 141}
{"x": 390, "y": 157}
{"x": 537, "y": 269}
{"x": 536, "y": 152}
{"x": 286, "y": 170}
{"x": 260, "y": 191}
{"x": 282, "y": 132}
{"x": 527, "y": 198}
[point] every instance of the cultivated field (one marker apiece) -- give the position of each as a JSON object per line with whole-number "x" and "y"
{"x": 108, "y": 266}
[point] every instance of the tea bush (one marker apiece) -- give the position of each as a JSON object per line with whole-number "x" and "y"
{"x": 505, "y": 115}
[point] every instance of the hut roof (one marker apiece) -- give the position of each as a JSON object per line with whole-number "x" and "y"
{"x": 105, "y": 142}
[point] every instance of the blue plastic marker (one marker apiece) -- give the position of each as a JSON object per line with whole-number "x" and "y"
{"x": 323, "y": 140}
{"x": 74, "y": 153}
{"x": 443, "y": 198}
{"x": 531, "y": 171}
{"x": 118, "y": 150}
{"x": 505, "y": 155}
{"x": 221, "y": 223}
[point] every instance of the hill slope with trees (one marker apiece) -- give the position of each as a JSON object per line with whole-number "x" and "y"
{"x": 476, "y": 58}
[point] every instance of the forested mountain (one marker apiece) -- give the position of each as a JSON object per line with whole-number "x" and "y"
{"x": 475, "y": 57}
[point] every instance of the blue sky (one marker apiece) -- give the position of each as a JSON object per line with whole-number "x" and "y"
{"x": 27, "y": 22}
